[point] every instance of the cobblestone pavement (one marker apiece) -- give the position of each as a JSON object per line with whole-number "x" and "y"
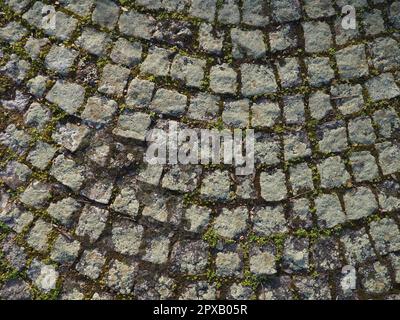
{"x": 83, "y": 217}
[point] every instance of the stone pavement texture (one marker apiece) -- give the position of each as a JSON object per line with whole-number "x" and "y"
{"x": 81, "y": 215}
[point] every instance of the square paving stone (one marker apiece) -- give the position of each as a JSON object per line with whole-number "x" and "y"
{"x": 105, "y": 13}
{"x": 37, "y": 85}
{"x": 231, "y": 223}
{"x": 190, "y": 70}
{"x": 78, "y": 7}
{"x": 140, "y": 93}
{"x": 247, "y": 44}
{"x": 293, "y": 109}
{"x": 359, "y": 203}
{"x": 387, "y": 121}
{"x": 333, "y": 172}
{"x": 34, "y": 46}
{"x": 319, "y": 71}
{"x": 113, "y": 80}
{"x": 345, "y": 36}
{"x": 99, "y": 111}
{"x": 65, "y": 251}
{"x": 254, "y": 13}
{"x": 300, "y": 216}
{"x": 388, "y": 157}
{"x": 68, "y": 96}
{"x": 203, "y": 9}
{"x": 386, "y": 236}
{"x": 296, "y": 145}
{"x": 126, "y": 202}
{"x": 99, "y": 191}
{"x": 316, "y": 288}
{"x": 43, "y": 276}
{"x": 228, "y": 264}
{"x": 268, "y": 220}
{"x": 64, "y": 24}
{"x": 357, "y": 247}
{"x": 262, "y": 261}
{"x": 91, "y": 222}
{"x": 157, "y": 62}
{"x": 295, "y": 255}
{"x": 71, "y": 136}
{"x": 157, "y": 250}
{"x": 60, "y": 59}
{"x": 126, "y": 53}
{"x": 348, "y": 98}
{"x": 120, "y": 277}
{"x": 325, "y": 252}
{"x": 382, "y": 87}
{"x": 265, "y": 113}
{"x": 189, "y": 257}
{"x": 286, "y": 10}
{"x": 388, "y": 196}
{"x": 375, "y": 278}
{"x": 373, "y": 22}
{"x": 17, "y": 140}
{"x": 319, "y": 104}
{"x": 289, "y": 72}
{"x": 301, "y": 178}
{"x": 182, "y": 178}
{"x": 273, "y": 186}
{"x": 36, "y": 194}
{"x": 37, "y": 115}
{"x": 197, "y": 218}
{"x": 138, "y": 25}
{"x": 236, "y": 113}
{"x": 385, "y": 53}
{"x": 329, "y": 211}
{"x": 361, "y": 131}
{"x": 91, "y": 263}
{"x": 94, "y": 42}
{"x": 223, "y": 79}
{"x": 15, "y": 174}
{"x": 16, "y": 218}
{"x": 64, "y": 211}
{"x": 283, "y": 38}
{"x": 257, "y": 79}
{"x": 228, "y": 12}
{"x": 332, "y": 137}
{"x": 210, "y": 39}
{"x": 39, "y": 235}
{"x": 352, "y": 62}
{"x": 318, "y": 8}
{"x": 169, "y": 102}
{"x": 203, "y": 106}
{"x": 216, "y": 185}
{"x": 133, "y": 125}
{"x": 66, "y": 171}
{"x": 364, "y": 166}
{"x": 317, "y": 35}
{"x": 267, "y": 149}
{"x": 126, "y": 237}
